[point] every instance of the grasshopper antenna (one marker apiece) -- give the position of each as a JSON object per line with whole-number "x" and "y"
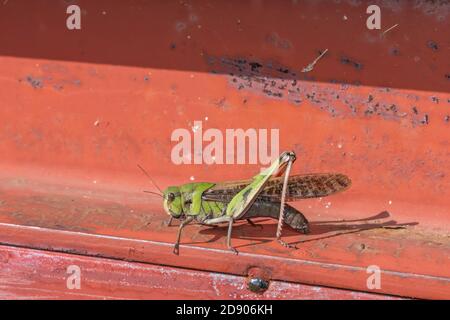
{"x": 148, "y": 176}
{"x": 154, "y": 193}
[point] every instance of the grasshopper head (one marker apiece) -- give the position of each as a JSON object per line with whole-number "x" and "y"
{"x": 172, "y": 202}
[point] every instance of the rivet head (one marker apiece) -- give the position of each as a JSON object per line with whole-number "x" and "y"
{"x": 258, "y": 285}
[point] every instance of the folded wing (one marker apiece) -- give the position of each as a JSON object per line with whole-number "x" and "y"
{"x": 299, "y": 187}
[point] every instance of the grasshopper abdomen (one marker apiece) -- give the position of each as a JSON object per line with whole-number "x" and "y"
{"x": 292, "y": 217}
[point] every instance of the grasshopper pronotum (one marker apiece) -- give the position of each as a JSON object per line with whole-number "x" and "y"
{"x": 262, "y": 196}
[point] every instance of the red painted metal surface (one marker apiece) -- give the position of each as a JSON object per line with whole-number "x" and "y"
{"x": 33, "y": 274}
{"x": 79, "y": 109}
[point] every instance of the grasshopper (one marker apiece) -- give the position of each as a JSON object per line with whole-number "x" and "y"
{"x": 265, "y": 195}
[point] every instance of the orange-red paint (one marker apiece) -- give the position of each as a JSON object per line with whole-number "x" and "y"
{"x": 79, "y": 110}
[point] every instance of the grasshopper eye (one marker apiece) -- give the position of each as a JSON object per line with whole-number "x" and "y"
{"x": 171, "y": 196}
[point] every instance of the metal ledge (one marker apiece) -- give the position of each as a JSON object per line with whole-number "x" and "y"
{"x": 412, "y": 260}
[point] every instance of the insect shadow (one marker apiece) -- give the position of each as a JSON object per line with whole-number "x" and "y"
{"x": 264, "y": 232}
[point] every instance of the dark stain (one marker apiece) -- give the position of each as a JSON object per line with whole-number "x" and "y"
{"x": 425, "y": 119}
{"x": 221, "y": 103}
{"x": 435, "y": 99}
{"x": 447, "y": 76}
{"x": 255, "y": 65}
{"x": 447, "y": 118}
{"x": 172, "y": 46}
{"x": 418, "y": 118}
{"x": 271, "y": 93}
{"x": 283, "y": 70}
{"x": 36, "y": 83}
{"x": 394, "y": 51}
{"x": 347, "y": 61}
{"x": 432, "y": 45}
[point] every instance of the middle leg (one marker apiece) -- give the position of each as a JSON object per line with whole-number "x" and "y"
{"x": 254, "y": 224}
{"x": 223, "y": 219}
{"x": 230, "y": 228}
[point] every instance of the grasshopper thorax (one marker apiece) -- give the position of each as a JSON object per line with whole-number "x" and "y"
{"x": 172, "y": 202}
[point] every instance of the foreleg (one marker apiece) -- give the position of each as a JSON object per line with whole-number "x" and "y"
{"x": 182, "y": 225}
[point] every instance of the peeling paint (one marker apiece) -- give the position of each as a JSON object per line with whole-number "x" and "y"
{"x": 277, "y": 81}
{"x": 36, "y": 83}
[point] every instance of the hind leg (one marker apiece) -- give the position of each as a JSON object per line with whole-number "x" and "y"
{"x": 283, "y": 200}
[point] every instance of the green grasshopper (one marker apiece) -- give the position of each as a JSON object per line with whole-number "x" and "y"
{"x": 262, "y": 196}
